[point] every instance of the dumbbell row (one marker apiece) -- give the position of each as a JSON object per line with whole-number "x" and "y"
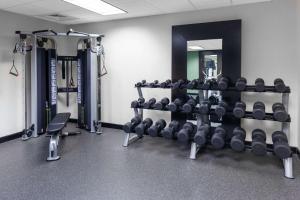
{"x": 239, "y": 111}
{"x": 202, "y": 136}
{"x": 223, "y": 83}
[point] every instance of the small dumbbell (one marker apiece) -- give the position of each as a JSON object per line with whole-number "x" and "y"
{"x": 189, "y": 106}
{"x": 259, "y": 85}
{"x": 204, "y": 107}
{"x": 213, "y": 99}
{"x": 154, "y": 84}
{"x": 141, "y": 129}
{"x": 239, "y": 109}
{"x": 162, "y": 104}
{"x": 171, "y": 130}
{"x": 175, "y": 105}
{"x": 259, "y": 146}
{"x": 192, "y": 84}
{"x": 138, "y": 103}
{"x": 279, "y": 112}
{"x": 281, "y": 145}
{"x": 221, "y": 109}
{"x": 185, "y": 134}
{"x": 241, "y": 84}
{"x": 207, "y": 84}
{"x": 259, "y": 110}
{"x": 279, "y": 85}
{"x": 155, "y": 130}
{"x": 166, "y": 84}
{"x": 179, "y": 84}
{"x": 140, "y": 84}
{"x": 149, "y": 104}
{"x": 223, "y": 83}
{"x": 218, "y": 138}
{"x": 201, "y": 134}
{"x": 237, "y": 142}
{"x": 130, "y": 126}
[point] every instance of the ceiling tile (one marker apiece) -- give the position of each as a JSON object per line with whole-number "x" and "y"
{"x": 203, "y": 4}
{"x": 28, "y": 9}
{"x": 55, "y": 5}
{"x": 175, "y": 6}
{"x": 237, "y": 2}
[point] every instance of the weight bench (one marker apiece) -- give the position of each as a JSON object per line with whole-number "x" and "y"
{"x": 54, "y": 131}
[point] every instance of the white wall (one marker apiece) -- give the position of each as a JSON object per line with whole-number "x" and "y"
{"x": 141, "y": 49}
{"x": 11, "y": 88}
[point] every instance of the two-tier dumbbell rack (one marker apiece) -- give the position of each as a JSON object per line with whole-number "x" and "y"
{"x": 203, "y": 95}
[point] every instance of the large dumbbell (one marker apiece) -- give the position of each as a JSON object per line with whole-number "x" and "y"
{"x": 179, "y": 84}
{"x": 155, "y": 130}
{"x": 185, "y": 134}
{"x": 149, "y": 104}
{"x": 241, "y": 84}
{"x": 239, "y": 109}
{"x": 237, "y": 142}
{"x": 140, "y": 84}
{"x": 259, "y": 110}
{"x": 189, "y": 106}
{"x": 260, "y": 85}
{"x": 154, "y": 84}
{"x": 200, "y": 137}
{"x": 138, "y": 103}
{"x": 171, "y": 130}
{"x": 175, "y": 105}
{"x": 165, "y": 84}
{"x": 281, "y": 145}
{"x": 279, "y": 112}
{"x": 259, "y": 146}
{"x": 221, "y": 109}
{"x": 130, "y": 126}
{"x": 161, "y": 104}
{"x": 279, "y": 85}
{"x": 141, "y": 129}
{"x": 223, "y": 83}
{"x": 192, "y": 84}
{"x": 218, "y": 138}
{"x": 204, "y": 107}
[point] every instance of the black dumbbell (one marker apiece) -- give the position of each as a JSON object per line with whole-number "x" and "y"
{"x": 213, "y": 99}
{"x": 155, "y": 130}
{"x": 218, "y": 138}
{"x": 140, "y": 84}
{"x": 185, "y": 134}
{"x": 179, "y": 84}
{"x": 204, "y": 107}
{"x": 166, "y": 84}
{"x": 149, "y": 104}
{"x": 154, "y": 84}
{"x": 175, "y": 105}
{"x": 279, "y": 85}
{"x": 259, "y": 110}
{"x": 141, "y": 129}
{"x": 279, "y": 112}
{"x": 189, "y": 106}
{"x": 223, "y": 83}
{"x": 237, "y": 142}
{"x": 221, "y": 109}
{"x": 281, "y": 145}
{"x": 130, "y": 126}
{"x": 200, "y": 137}
{"x": 241, "y": 84}
{"x": 259, "y": 146}
{"x": 171, "y": 130}
{"x": 207, "y": 84}
{"x": 192, "y": 84}
{"x": 138, "y": 103}
{"x": 239, "y": 109}
{"x": 161, "y": 104}
{"x": 260, "y": 85}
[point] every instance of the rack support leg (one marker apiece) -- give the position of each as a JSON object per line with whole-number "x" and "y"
{"x": 288, "y": 167}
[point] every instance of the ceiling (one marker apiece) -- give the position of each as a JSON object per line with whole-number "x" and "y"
{"x": 214, "y": 44}
{"x": 136, "y": 8}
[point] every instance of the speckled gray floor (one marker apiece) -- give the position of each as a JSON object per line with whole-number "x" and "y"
{"x": 98, "y": 167}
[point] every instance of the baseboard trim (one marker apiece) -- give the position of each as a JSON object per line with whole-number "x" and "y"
{"x": 114, "y": 126}
{"x": 10, "y": 137}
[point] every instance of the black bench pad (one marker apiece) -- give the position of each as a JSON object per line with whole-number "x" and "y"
{"x": 58, "y": 123}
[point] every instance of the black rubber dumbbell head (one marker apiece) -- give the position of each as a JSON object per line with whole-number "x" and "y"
{"x": 213, "y": 100}
{"x": 279, "y": 112}
{"x": 260, "y": 85}
{"x": 218, "y": 138}
{"x": 166, "y": 83}
{"x": 239, "y": 109}
{"x": 241, "y": 84}
{"x": 149, "y": 103}
{"x": 173, "y": 107}
{"x": 281, "y": 146}
{"x": 259, "y": 110}
{"x": 259, "y": 146}
{"x": 161, "y": 104}
{"x": 141, "y": 128}
{"x": 184, "y": 134}
{"x": 201, "y": 135}
{"x": 170, "y": 131}
{"x": 223, "y": 83}
{"x": 221, "y": 109}
{"x": 156, "y": 129}
{"x": 204, "y": 107}
{"x": 237, "y": 142}
{"x": 207, "y": 84}
{"x": 140, "y": 84}
{"x": 279, "y": 85}
{"x": 189, "y": 106}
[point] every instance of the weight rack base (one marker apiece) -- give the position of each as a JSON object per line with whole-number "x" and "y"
{"x": 130, "y": 139}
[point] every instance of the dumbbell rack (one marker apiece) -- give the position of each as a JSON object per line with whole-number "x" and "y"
{"x": 203, "y": 95}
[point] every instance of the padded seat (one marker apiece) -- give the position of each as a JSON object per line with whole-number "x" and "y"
{"x": 58, "y": 123}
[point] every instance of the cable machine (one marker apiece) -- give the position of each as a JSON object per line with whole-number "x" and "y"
{"x": 39, "y": 52}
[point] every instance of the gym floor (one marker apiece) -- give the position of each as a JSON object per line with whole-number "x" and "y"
{"x": 98, "y": 167}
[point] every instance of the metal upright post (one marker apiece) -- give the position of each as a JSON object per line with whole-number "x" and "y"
{"x": 34, "y": 86}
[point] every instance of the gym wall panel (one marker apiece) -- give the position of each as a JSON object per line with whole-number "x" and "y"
{"x": 11, "y": 88}
{"x": 140, "y": 48}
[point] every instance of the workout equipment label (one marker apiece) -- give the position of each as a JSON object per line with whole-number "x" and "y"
{"x": 79, "y": 81}
{"x": 53, "y": 82}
